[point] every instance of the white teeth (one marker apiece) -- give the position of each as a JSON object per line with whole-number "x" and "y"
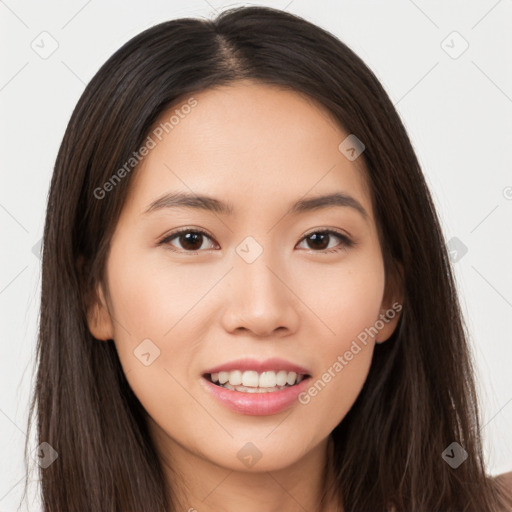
{"x": 235, "y": 378}
{"x": 268, "y": 380}
{"x": 292, "y": 376}
{"x": 281, "y": 378}
{"x": 253, "y": 379}
{"x": 249, "y": 379}
{"x": 223, "y": 377}
{"x": 245, "y": 389}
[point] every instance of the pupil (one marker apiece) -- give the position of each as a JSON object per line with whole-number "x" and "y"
{"x": 189, "y": 242}
{"x": 317, "y": 236}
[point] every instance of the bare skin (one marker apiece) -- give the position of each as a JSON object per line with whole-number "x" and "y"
{"x": 261, "y": 149}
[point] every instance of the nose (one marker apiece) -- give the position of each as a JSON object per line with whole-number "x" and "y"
{"x": 260, "y": 299}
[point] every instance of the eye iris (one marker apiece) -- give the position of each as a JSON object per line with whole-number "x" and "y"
{"x": 191, "y": 238}
{"x": 316, "y": 237}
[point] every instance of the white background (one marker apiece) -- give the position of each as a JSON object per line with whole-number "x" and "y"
{"x": 458, "y": 112}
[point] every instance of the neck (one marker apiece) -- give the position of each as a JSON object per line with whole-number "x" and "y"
{"x": 199, "y": 485}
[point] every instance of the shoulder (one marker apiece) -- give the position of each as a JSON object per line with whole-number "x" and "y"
{"x": 504, "y": 482}
{"x": 505, "y": 479}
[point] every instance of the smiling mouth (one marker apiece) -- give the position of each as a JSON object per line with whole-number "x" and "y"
{"x": 254, "y": 382}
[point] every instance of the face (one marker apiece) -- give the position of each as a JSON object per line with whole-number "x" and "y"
{"x": 262, "y": 281}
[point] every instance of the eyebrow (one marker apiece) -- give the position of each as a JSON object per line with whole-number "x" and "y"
{"x": 208, "y": 203}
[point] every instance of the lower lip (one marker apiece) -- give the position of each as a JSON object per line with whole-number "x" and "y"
{"x": 257, "y": 404}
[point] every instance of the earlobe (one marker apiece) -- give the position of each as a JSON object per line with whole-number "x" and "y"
{"x": 391, "y": 307}
{"x": 387, "y": 322}
{"x": 98, "y": 317}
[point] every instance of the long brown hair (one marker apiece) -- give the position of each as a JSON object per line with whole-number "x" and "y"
{"x": 420, "y": 394}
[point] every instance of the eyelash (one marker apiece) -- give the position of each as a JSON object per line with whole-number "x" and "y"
{"x": 347, "y": 242}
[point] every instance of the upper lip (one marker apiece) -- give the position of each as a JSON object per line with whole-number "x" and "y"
{"x": 274, "y": 364}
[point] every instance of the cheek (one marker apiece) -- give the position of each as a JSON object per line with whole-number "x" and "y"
{"x": 348, "y": 307}
{"x": 332, "y": 393}
{"x": 346, "y": 298}
{"x": 153, "y": 296}
{"x": 153, "y": 334}
{"x": 157, "y": 310}
{"x": 344, "y": 358}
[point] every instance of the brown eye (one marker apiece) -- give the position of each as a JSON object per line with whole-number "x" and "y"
{"x": 319, "y": 241}
{"x": 191, "y": 240}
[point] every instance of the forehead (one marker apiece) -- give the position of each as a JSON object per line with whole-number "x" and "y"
{"x": 247, "y": 142}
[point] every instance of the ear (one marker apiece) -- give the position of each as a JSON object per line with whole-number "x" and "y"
{"x": 391, "y": 306}
{"x": 98, "y": 317}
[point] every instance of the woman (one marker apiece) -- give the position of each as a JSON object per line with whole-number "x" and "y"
{"x": 246, "y": 298}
